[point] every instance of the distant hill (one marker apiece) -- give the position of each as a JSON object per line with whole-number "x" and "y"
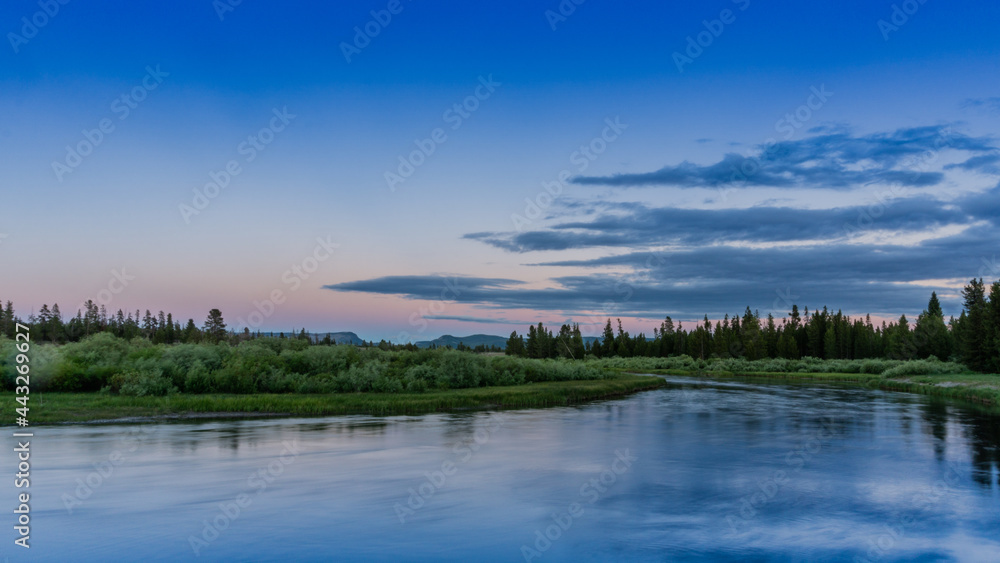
{"x": 476, "y": 339}
{"x": 471, "y": 341}
{"x": 339, "y": 337}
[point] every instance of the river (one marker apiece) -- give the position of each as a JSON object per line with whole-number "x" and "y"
{"x": 699, "y": 471}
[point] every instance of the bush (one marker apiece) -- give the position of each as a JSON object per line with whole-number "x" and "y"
{"x": 142, "y": 383}
{"x": 362, "y": 378}
{"x": 198, "y": 379}
{"x": 924, "y": 367}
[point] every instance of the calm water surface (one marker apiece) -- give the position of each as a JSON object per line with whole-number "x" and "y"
{"x": 720, "y": 471}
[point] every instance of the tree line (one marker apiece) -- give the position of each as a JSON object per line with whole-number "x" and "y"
{"x": 48, "y": 325}
{"x": 973, "y": 338}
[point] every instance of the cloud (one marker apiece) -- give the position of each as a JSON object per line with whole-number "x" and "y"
{"x": 718, "y": 280}
{"x": 482, "y": 320}
{"x": 835, "y": 160}
{"x": 986, "y": 103}
{"x": 984, "y": 206}
{"x": 986, "y": 163}
{"x": 688, "y": 262}
{"x": 444, "y": 287}
{"x": 631, "y": 225}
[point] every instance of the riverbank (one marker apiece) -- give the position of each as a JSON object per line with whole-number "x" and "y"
{"x": 981, "y": 389}
{"x": 54, "y": 408}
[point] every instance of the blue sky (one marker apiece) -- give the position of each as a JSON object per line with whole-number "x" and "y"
{"x": 869, "y": 153}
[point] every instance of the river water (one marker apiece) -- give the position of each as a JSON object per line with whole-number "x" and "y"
{"x": 699, "y": 471}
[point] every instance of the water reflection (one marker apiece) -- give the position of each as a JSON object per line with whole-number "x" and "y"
{"x": 701, "y": 471}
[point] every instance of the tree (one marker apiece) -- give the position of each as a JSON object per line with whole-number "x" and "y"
{"x": 56, "y": 327}
{"x": 973, "y": 337}
{"x": 7, "y": 326}
{"x": 515, "y": 345}
{"x": 191, "y": 334}
{"x": 931, "y": 335}
{"x": 533, "y": 346}
{"x": 623, "y": 346}
{"x": 901, "y": 341}
{"x": 608, "y": 341}
{"x": 667, "y": 337}
{"x": 753, "y": 347}
{"x": 576, "y": 343}
{"x": 564, "y": 342}
{"x": 787, "y": 347}
{"x": 991, "y": 340}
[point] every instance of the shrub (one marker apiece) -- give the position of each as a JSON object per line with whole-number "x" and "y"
{"x": 198, "y": 379}
{"x": 136, "y": 383}
{"x": 924, "y": 367}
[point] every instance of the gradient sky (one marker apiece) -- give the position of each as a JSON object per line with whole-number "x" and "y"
{"x": 885, "y": 189}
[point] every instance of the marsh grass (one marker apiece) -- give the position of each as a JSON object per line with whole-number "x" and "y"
{"x": 88, "y": 407}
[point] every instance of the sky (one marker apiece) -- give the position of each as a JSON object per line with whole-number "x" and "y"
{"x": 406, "y": 169}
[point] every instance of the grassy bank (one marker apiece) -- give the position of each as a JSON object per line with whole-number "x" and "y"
{"x": 50, "y": 408}
{"x": 982, "y": 389}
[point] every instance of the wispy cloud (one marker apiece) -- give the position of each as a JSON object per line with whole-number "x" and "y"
{"x": 718, "y": 260}
{"x": 836, "y": 161}
{"x": 481, "y": 320}
{"x": 423, "y": 286}
{"x": 992, "y": 103}
{"x": 632, "y": 225}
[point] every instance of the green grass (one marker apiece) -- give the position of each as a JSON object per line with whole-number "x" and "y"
{"x": 978, "y": 388}
{"x": 50, "y": 408}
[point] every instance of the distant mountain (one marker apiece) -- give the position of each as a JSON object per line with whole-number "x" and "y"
{"x": 476, "y": 339}
{"x": 339, "y": 337}
{"x": 471, "y": 341}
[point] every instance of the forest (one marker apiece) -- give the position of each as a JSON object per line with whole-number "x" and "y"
{"x": 133, "y": 354}
{"x": 972, "y": 339}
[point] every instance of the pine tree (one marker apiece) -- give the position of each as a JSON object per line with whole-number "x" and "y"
{"x": 973, "y": 337}
{"x": 608, "y": 341}
{"x": 56, "y": 328}
{"x": 191, "y": 333}
{"x": 900, "y": 340}
{"x": 515, "y": 345}
{"x": 991, "y": 338}
{"x": 931, "y": 335}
